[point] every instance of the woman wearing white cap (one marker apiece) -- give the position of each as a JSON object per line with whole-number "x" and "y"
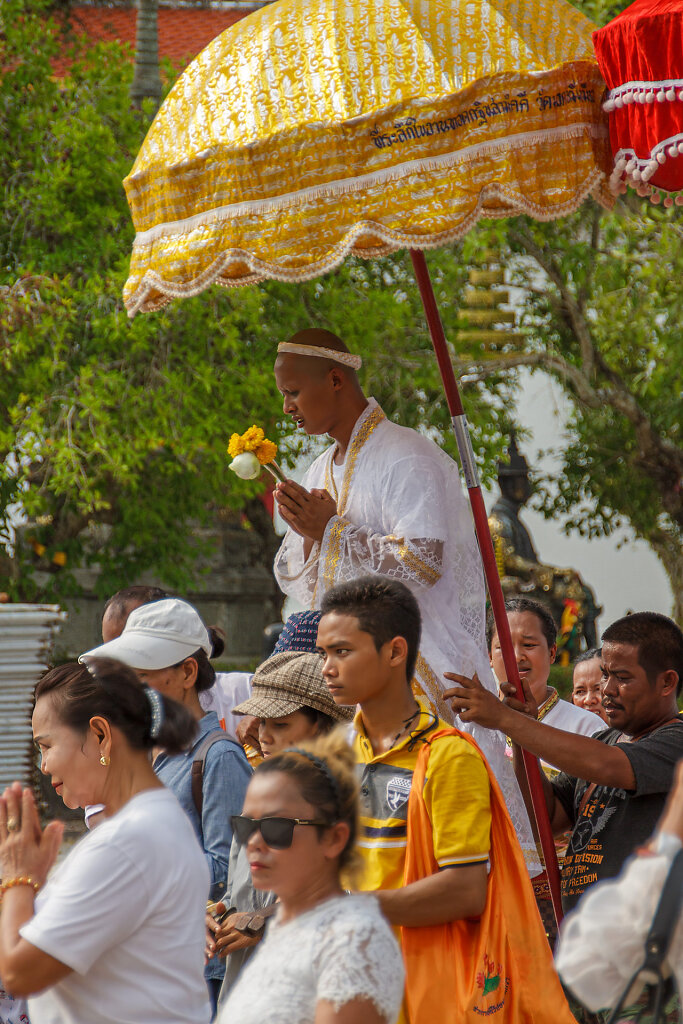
{"x": 169, "y": 646}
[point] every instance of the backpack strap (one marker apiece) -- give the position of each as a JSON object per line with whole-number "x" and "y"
{"x": 198, "y": 763}
{"x": 666, "y": 917}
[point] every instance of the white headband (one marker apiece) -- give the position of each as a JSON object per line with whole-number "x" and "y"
{"x": 347, "y": 358}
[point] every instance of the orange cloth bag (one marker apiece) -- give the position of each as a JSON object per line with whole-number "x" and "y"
{"x": 498, "y": 968}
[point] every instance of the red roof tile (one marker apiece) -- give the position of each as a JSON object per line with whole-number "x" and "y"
{"x": 183, "y": 32}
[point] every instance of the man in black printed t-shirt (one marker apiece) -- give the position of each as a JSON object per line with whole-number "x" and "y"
{"x": 612, "y": 787}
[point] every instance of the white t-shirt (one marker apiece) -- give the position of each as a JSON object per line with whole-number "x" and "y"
{"x": 229, "y": 690}
{"x": 339, "y": 951}
{"x": 126, "y": 912}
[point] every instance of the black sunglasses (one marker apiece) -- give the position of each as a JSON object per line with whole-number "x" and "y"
{"x": 276, "y": 832}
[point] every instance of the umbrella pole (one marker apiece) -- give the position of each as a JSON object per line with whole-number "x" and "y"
{"x": 462, "y": 436}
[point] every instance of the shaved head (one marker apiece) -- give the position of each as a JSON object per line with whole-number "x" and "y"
{"x": 316, "y": 336}
{"x": 321, "y": 395}
{"x": 314, "y": 365}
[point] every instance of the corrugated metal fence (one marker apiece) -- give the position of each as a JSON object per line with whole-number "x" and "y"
{"x": 26, "y": 634}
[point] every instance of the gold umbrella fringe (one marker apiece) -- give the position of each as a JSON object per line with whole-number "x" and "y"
{"x": 348, "y": 186}
{"x": 140, "y": 300}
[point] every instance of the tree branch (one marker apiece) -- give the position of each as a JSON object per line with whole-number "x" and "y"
{"x": 571, "y": 305}
{"x": 659, "y": 458}
{"x": 652, "y": 446}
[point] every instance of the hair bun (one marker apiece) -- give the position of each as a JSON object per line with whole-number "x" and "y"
{"x": 217, "y": 638}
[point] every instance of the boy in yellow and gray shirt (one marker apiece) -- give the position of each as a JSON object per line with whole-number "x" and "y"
{"x": 369, "y": 635}
{"x": 433, "y": 821}
{"x": 456, "y": 794}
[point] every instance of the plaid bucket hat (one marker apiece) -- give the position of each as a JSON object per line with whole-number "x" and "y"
{"x": 287, "y": 682}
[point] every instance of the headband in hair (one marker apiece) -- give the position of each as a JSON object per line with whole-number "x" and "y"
{"x": 347, "y": 358}
{"x": 157, "y": 708}
{"x": 323, "y": 767}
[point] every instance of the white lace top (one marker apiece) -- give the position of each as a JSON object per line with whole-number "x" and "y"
{"x": 339, "y": 951}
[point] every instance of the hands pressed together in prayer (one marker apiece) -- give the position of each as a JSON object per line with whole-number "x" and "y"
{"x": 474, "y": 703}
{"x": 306, "y": 512}
{"x": 26, "y": 850}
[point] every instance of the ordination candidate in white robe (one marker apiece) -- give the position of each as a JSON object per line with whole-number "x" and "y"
{"x": 401, "y": 513}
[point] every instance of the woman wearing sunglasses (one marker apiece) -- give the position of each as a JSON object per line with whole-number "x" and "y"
{"x": 328, "y": 957}
{"x": 291, "y": 703}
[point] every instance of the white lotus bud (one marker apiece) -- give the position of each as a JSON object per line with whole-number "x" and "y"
{"x": 246, "y": 466}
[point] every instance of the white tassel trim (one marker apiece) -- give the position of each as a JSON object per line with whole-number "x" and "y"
{"x": 669, "y": 90}
{"x": 348, "y": 186}
{"x": 218, "y": 272}
{"x": 635, "y": 171}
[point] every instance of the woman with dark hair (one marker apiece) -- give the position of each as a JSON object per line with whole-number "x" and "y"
{"x": 291, "y": 703}
{"x": 117, "y": 933}
{"x": 169, "y": 647}
{"x": 328, "y": 957}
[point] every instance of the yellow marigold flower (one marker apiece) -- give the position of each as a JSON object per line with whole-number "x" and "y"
{"x": 252, "y": 438}
{"x": 266, "y": 451}
{"x": 251, "y": 450}
{"x": 59, "y": 558}
{"x": 235, "y": 446}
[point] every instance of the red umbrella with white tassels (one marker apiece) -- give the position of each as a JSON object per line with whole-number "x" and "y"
{"x": 640, "y": 54}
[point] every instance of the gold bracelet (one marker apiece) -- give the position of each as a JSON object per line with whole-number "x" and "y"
{"x": 10, "y": 883}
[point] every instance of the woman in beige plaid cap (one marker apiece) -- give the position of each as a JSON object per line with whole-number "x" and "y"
{"x": 293, "y": 704}
{"x": 291, "y": 701}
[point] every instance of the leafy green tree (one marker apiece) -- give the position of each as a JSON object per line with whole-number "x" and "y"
{"x": 112, "y": 433}
{"x": 603, "y": 315}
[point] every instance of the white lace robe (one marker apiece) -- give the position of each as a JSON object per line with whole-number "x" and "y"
{"x": 339, "y": 951}
{"x": 402, "y": 514}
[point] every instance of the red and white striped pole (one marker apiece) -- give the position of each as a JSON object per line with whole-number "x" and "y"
{"x": 469, "y": 468}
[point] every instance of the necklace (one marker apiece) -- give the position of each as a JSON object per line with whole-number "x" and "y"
{"x": 404, "y": 727}
{"x": 406, "y": 723}
{"x": 330, "y": 482}
{"x": 548, "y": 704}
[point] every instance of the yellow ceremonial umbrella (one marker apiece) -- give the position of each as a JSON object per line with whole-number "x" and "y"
{"x": 310, "y": 130}
{"x": 317, "y": 128}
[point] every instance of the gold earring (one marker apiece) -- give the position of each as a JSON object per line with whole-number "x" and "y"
{"x": 104, "y": 760}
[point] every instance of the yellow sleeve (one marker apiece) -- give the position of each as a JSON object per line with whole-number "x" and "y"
{"x": 458, "y": 800}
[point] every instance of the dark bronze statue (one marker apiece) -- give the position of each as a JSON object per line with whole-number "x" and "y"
{"x": 570, "y": 601}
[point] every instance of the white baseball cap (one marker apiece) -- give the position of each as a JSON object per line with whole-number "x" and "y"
{"x": 157, "y": 635}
